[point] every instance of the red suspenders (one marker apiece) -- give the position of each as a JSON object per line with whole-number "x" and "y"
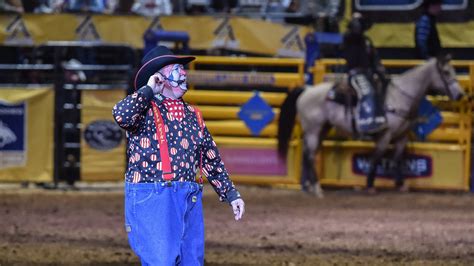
{"x": 164, "y": 154}
{"x": 160, "y": 131}
{"x": 201, "y": 125}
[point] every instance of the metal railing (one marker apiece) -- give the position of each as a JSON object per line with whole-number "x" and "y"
{"x": 68, "y": 87}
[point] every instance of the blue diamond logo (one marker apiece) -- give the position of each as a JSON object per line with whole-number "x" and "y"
{"x": 256, "y": 114}
{"x": 429, "y": 118}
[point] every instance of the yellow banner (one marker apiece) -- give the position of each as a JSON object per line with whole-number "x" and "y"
{"x": 424, "y": 166}
{"x": 200, "y": 28}
{"x": 102, "y": 141}
{"x": 205, "y": 32}
{"x": 26, "y": 134}
{"x": 403, "y": 34}
{"x": 263, "y": 37}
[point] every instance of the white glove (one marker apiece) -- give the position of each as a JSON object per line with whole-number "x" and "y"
{"x": 238, "y": 206}
{"x": 156, "y": 83}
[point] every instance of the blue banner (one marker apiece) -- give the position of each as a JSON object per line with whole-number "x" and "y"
{"x": 12, "y": 127}
{"x": 12, "y": 135}
{"x": 386, "y": 5}
{"x": 429, "y": 118}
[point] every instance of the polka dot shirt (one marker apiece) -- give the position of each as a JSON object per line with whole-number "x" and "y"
{"x": 187, "y": 141}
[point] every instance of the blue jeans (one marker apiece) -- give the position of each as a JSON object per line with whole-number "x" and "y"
{"x": 164, "y": 222}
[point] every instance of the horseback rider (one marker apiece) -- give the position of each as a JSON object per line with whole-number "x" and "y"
{"x": 366, "y": 76}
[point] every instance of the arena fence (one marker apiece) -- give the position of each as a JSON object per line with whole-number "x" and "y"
{"x": 221, "y": 87}
{"x": 246, "y": 72}
{"x": 441, "y": 162}
{"x": 89, "y": 144}
{"x": 68, "y": 133}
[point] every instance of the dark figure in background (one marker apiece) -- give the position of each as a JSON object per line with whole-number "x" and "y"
{"x": 366, "y": 76}
{"x": 426, "y": 34}
{"x": 299, "y": 17}
{"x": 224, "y": 6}
{"x": 124, "y": 6}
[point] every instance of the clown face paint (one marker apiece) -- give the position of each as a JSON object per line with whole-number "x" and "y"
{"x": 175, "y": 81}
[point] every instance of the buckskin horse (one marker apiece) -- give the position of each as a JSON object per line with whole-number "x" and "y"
{"x": 318, "y": 114}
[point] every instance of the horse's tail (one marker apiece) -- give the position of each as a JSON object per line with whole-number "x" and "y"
{"x": 286, "y": 121}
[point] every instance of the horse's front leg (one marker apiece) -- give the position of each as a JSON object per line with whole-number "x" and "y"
{"x": 307, "y": 178}
{"x": 400, "y": 146}
{"x": 381, "y": 146}
{"x": 310, "y": 181}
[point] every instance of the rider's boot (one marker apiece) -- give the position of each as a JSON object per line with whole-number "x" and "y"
{"x": 379, "y": 124}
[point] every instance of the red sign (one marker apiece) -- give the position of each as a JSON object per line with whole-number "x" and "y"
{"x": 253, "y": 161}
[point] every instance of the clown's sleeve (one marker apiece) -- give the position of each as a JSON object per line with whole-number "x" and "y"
{"x": 130, "y": 112}
{"x": 214, "y": 170}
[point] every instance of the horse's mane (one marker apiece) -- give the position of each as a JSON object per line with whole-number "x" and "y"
{"x": 414, "y": 70}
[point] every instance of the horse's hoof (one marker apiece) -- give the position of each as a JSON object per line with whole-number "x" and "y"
{"x": 313, "y": 190}
{"x": 371, "y": 191}
{"x": 403, "y": 189}
{"x": 307, "y": 189}
{"x": 318, "y": 191}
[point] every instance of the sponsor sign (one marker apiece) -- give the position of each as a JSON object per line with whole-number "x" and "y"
{"x": 17, "y": 32}
{"x": 413, "y": 166}
{"x": 248, "y": 161}
{"x": 256, "y": 113}
{"x": 13, "y": 135}
{"x": 292, "y": 44}
{"x": 103, "y": 135}
{"x": 221, "y": 78}
{"x": 225, "y": 36}
{"x": 87, "y": 31}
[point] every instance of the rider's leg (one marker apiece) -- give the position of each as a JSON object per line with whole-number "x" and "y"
{"x": 369, "y": 118}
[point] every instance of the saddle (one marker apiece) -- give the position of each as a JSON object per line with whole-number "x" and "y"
{"x": 343, "y": 94}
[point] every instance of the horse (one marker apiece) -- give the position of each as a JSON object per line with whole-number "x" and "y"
{"x": 317, "y": 114}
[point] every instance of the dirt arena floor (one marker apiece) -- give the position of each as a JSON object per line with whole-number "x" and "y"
{"x": 280, "y": 227}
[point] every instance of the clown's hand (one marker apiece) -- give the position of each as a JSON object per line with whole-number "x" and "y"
{"x": 238, "y": 206}
{"x": 155, "y": 82}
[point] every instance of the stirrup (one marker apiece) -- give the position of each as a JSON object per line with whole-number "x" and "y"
{"x": 378, "y": 129}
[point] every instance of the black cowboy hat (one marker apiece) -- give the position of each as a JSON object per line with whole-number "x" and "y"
{"x": 358, "y": 23}
{"x": 155, "y": 60}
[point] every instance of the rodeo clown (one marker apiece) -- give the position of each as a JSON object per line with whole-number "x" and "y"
{"x": 168, "y": 143}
